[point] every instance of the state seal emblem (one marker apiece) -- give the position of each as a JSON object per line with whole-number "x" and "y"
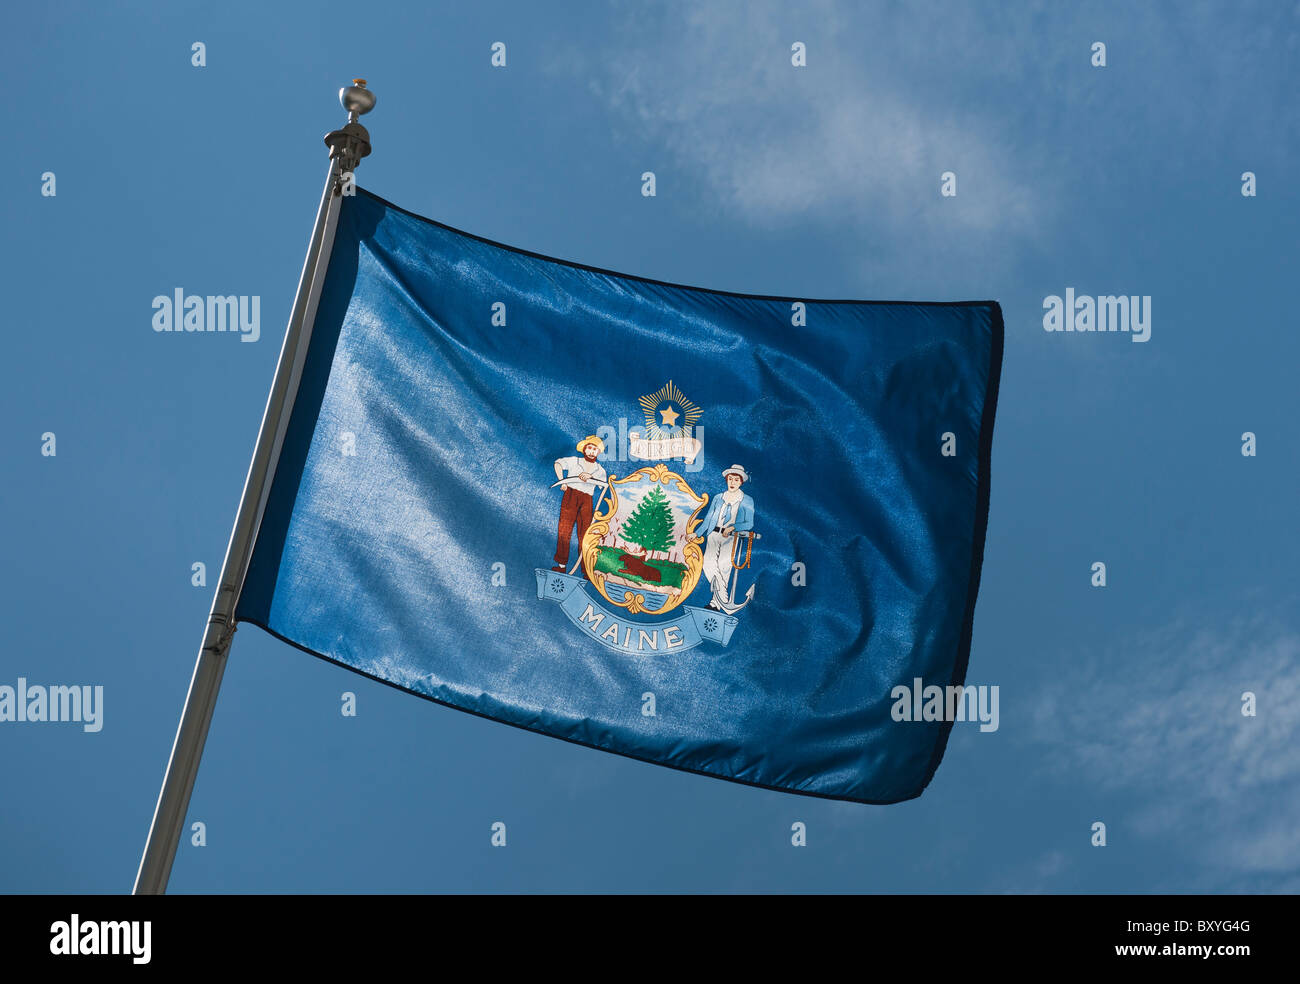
{"x": 647, "y": 540}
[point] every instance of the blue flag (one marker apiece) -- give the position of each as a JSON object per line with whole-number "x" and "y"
{"x": 719, "y": 532}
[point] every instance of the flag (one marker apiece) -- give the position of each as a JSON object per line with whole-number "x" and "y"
{"x": 708, "y": 530}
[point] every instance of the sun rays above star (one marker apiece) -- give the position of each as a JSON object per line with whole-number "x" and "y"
{"x": 669, "y": 411}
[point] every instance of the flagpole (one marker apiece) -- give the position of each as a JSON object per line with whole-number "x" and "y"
{"x": 347, "y": 146}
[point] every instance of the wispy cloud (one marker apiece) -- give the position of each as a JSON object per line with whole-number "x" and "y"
{"x": 894, "y": 95}
{"x": 1162, "y": 724}
{"x": 715, "y": 86}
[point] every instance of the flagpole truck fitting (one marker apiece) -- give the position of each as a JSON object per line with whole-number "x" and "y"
{"x": 352, "y": 142}
{"x": 347, "y": 147}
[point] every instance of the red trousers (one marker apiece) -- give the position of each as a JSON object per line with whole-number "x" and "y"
{"x": 575, "y": 507}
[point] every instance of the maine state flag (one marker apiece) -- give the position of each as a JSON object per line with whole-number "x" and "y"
{"x": 708, "y": 530}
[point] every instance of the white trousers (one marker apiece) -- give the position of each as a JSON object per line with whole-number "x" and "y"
{"x": 717, "y": 563}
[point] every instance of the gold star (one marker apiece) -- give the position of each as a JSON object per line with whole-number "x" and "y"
{"x": 670, "y": 416}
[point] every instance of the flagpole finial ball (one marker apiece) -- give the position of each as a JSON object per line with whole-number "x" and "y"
{"x": 356, "y": 98}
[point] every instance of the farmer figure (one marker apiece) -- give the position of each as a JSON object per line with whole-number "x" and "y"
{"x": 728, "y": 513}
{"x": 579, "y": 477}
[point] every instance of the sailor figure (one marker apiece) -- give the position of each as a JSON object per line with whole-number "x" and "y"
{"x": 730, "y": 513}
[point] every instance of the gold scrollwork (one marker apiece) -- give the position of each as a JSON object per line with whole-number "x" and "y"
{"x": 692, "y": 555}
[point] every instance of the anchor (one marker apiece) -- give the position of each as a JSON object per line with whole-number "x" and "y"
{"x": 729, "y": 607}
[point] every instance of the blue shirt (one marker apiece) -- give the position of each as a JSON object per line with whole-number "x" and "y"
{"x": 719, "y": 513}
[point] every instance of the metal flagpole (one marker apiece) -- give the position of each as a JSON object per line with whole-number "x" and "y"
{"x": 347, "y": 146}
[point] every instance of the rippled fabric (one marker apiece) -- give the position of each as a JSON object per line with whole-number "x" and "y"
{"x": 412, "y": 523}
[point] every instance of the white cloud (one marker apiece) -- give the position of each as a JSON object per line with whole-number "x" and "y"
{"x": 894, "y": 95}
{"x": 715, "y": 87}
{"x": 1162, "y": 723}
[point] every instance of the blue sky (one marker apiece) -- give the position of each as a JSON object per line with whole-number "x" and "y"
{"x": 1119, "y": 705}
